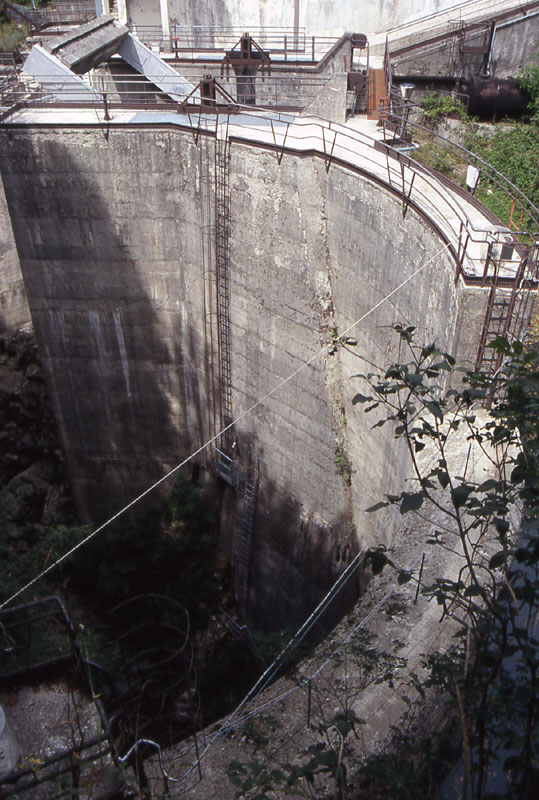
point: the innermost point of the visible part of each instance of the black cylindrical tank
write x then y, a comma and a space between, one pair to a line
492, 98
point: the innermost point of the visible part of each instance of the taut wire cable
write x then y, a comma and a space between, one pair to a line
210, 441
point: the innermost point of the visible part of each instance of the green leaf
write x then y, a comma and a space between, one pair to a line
411, 501
443, 477
377, 559
376, 506
497, 560
415, 379
435, 409
460, 495
489, 484
472, 591
404, 577
360, 398
501, 525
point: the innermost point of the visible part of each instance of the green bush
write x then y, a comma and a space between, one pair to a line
436, 107
168, 550
528, 81
12, 37
515, 154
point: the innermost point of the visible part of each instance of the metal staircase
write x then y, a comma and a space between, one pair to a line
474, 49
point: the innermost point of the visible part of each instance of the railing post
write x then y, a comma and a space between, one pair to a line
106, 107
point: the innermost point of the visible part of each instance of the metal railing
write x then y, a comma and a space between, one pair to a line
37, 643
61, 772
284, 92
212, 37
335, 142
487, 253
26, 645
186, 42
66, 11
514, 210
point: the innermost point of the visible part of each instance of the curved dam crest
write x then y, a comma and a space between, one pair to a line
115, 232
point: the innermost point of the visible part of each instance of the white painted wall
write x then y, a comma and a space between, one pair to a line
331, 17
143, 12
56, 78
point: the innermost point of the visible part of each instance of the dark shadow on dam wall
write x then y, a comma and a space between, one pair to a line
123, 372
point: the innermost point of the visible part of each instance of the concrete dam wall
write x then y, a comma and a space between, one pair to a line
115, 234
14, 311
315, 15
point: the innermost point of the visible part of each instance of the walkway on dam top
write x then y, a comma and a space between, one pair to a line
463, 224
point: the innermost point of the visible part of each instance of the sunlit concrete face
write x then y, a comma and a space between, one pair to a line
330, 17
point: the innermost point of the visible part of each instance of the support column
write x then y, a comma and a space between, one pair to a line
102, 7
122, 12
165, 22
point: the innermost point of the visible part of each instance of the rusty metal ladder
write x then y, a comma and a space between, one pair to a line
507, 311
496, 323
222, 276
243, 536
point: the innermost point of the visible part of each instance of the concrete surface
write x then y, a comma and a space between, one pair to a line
89, 44
114, 233
56, 78
14, 312
51, 718
316, 16
330, 102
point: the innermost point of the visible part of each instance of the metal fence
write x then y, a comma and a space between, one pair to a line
66, 11
186, 42
501, 255
128, 90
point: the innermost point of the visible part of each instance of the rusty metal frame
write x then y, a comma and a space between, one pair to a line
230, 60
328, 156
461, 249
406, 195
210, 104
280, 152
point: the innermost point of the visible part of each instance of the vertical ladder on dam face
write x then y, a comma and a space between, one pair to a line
508, 310
243, 536
207, 244
222, 277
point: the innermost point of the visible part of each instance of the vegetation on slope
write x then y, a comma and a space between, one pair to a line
488, 678
512, 148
